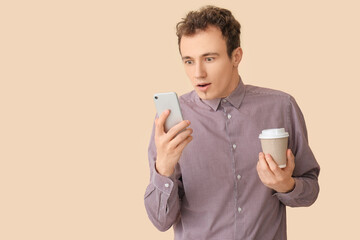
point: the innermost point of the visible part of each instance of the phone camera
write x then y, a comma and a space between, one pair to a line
156, 97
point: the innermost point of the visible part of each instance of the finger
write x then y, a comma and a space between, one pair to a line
180, 137
184, 143
272, 164
160, 121
263, 166
259, 170
262, 160
290, 159
265, 174
177, 128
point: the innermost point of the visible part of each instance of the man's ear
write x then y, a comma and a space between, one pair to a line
237, 56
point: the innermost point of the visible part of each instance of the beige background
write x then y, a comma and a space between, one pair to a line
76, 110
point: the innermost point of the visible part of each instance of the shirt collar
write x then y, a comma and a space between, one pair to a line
235, 98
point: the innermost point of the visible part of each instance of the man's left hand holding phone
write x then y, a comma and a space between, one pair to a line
172, 134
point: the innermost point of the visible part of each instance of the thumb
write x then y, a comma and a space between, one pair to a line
160, 129
290, 158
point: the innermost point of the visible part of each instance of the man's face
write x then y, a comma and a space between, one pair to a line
212, 73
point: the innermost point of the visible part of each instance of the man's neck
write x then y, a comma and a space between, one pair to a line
234, 83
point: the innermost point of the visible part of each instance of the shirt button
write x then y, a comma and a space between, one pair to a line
234, 146
229, 116
167, 185
224, 100
238, 176
239, 209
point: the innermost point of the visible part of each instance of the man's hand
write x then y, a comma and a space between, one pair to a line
170, 145
279, 179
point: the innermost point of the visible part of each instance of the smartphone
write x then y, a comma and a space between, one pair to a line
169, 100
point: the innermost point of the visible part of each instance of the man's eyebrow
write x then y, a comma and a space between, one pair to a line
185, 57
210, 53
203, 55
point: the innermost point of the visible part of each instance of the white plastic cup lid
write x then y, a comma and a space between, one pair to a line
273, 133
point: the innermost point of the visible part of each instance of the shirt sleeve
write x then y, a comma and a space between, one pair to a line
161, 198
307, 169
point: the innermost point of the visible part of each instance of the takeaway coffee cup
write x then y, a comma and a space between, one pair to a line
274, 142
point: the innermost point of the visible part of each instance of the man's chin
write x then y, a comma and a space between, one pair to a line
205, 95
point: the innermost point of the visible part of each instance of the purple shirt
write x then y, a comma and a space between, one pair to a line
215, 191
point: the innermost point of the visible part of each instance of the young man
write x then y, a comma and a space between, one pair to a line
212, 181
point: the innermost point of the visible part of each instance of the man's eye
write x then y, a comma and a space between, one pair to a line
188, 62
209, 59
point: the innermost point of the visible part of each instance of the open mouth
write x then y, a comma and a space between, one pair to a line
203, 85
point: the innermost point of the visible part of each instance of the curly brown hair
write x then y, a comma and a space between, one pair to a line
211, 15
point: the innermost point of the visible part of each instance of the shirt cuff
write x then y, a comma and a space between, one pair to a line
294, 194
164, 184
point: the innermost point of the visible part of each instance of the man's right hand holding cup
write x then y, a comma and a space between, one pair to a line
170, 145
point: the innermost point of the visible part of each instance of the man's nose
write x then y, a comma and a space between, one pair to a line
200, 71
